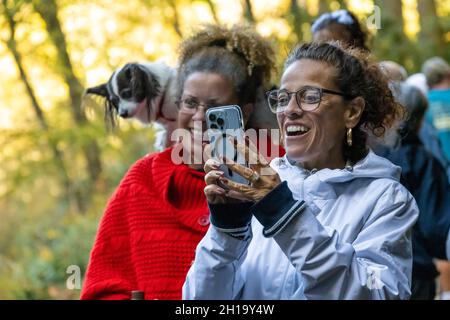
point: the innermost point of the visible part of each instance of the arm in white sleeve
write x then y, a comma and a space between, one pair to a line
376, 265
216, 271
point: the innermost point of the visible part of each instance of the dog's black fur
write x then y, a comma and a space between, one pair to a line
136, 90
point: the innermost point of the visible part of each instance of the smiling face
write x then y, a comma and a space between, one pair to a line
207, 89
314, 138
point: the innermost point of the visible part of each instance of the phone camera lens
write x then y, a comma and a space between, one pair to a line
212, 117
214, 126
220, 122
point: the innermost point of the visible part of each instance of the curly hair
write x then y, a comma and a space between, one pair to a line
358, 75
239, 53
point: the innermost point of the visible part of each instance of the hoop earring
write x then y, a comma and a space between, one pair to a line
349, 137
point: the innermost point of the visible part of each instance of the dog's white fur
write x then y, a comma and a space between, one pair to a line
163, 110
166, 78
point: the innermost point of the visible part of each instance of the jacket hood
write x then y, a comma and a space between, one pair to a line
372, 166
323, 185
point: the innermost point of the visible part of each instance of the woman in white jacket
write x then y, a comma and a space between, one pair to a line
330, 220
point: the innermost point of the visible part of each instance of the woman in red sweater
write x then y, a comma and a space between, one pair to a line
158, 214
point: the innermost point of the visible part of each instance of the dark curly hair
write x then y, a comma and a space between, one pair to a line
358, 76
238, 53
348, 20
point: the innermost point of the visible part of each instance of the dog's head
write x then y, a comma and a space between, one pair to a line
129, 93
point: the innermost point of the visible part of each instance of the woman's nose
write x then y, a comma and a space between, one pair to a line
293, 109
199, 114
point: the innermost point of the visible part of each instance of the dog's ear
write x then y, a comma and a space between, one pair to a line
100, 90
143, 83
152, 86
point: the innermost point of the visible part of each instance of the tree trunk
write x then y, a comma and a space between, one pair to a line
48, 10
391, 32
296, 20
212, 7
176, 18
343, 5
53, 143
431, 34
248, 11
391, 10
324, 6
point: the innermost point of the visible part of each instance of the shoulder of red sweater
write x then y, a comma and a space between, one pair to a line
142, 171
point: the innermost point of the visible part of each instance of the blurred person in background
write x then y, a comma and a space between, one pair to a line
437, 73
426, 179
394, 71
419, 81
428, 135
341, 25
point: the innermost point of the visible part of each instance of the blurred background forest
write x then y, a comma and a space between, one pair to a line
59, 164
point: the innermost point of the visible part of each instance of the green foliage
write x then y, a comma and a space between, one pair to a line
42, 229
41, 233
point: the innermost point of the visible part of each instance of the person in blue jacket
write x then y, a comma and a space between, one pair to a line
329, 220
437, 73
426, 179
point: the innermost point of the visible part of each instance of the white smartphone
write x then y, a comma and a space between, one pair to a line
223, 123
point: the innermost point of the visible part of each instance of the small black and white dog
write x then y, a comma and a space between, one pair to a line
143, 91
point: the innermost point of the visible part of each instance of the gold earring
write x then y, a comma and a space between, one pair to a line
349, 137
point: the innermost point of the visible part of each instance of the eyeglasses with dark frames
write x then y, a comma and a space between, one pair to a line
191, 105
308, 98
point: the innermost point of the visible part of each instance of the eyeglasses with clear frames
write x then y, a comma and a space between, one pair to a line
308, 98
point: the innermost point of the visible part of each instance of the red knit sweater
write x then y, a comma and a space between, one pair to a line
149, 232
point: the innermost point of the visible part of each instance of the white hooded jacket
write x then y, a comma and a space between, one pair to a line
345, 235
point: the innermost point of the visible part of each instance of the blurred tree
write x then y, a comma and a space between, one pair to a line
9, 10
342, 4
173, 19
431, 35
248, 11
296, 19
390, 41
392, 10
212, 7
176, 18
48, 10
324, 6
